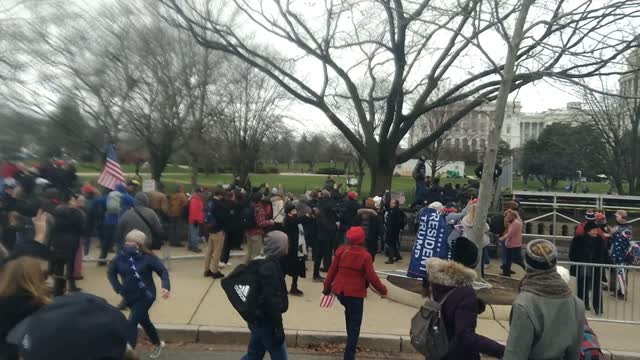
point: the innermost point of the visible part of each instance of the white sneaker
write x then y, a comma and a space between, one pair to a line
229, 263
88, 258
222, 265
157, 350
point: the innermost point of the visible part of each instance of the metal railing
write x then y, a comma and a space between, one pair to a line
611, 293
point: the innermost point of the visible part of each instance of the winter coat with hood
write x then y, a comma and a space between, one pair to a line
69, 226
196, 210
126, 202
352, 272
349, 211
136, 284
395, 220
460, 310
274, 300
372, 225
13, 310
132, 220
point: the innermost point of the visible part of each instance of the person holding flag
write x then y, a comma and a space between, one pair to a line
113, 204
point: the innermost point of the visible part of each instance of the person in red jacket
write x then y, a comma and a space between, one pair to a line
590, 217
350, 275
196, 218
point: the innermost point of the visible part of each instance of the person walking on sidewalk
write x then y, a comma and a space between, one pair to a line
512, 242
350, 275
547, 321
196, 219
267, 332
255, 234
131, 275
450, 283
215, 220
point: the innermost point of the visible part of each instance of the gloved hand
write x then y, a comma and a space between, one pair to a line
278, 337
326, 292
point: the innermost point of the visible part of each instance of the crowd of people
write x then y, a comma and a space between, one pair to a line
343, 235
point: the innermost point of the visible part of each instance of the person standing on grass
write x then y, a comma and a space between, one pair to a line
215, 220
512, 242
350, 275
131, 275
395, 221
196, 219
267, 332
177, 205
547, 321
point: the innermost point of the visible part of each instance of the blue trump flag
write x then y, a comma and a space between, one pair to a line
431, 241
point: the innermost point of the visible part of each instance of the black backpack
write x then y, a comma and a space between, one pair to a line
243, 289
248, 217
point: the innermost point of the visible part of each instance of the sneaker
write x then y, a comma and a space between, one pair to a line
318, 279
102, 262
122, 305
195, 250
296, 292
389, 262
87, 258
157, 350
399, 258
222, 265
217, 275
208, 273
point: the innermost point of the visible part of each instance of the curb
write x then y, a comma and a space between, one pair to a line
220, 335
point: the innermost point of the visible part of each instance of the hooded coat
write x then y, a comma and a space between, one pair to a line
131, 275
126, 202
274, 301
69, 226
352, 272
460, 311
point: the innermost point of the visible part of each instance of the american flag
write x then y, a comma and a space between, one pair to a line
622, 281
327, 301
112, 173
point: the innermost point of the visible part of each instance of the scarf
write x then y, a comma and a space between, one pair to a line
546, 283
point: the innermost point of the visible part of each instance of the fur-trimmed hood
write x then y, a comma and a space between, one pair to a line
367, 211
449, 273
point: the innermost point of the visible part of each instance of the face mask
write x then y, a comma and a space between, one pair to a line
130, 249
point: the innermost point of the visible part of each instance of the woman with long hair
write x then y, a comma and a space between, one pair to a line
547, 320
23, 291
134, 266
512, 242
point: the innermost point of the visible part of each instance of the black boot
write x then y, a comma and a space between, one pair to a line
73, 287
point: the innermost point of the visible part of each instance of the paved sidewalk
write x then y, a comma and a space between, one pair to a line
198, 302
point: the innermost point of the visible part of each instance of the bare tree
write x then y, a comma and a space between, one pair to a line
249, 116
415, 45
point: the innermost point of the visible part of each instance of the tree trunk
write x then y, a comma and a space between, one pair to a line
194, 172
381, 174
486, 183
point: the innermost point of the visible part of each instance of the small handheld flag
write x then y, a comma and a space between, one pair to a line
327, 301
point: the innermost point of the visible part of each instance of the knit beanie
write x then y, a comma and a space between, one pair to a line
590, 225
590, 215
275, 243
537, 262
436, 205
136, 236
465, 252
352, 195
356, 235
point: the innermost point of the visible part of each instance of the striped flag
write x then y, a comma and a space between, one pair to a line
327, 301
112, 174
622, 281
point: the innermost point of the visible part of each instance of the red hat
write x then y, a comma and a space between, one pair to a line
600, 216
356, 235
352, 195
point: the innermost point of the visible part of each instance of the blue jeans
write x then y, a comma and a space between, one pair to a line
262, 338
194, 236
511, 255
140, 315
353, 310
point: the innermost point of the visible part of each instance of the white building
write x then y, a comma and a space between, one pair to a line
471, 133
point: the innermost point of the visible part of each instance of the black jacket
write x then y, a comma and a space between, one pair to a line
587, 249
273, 301
349, 211
65, 236
13, 310
370, 221
396, 220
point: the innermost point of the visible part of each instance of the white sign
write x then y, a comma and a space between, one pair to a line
148, 186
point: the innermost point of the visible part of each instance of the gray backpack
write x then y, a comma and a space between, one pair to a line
428, 332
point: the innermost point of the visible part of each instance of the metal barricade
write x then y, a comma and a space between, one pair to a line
611, 293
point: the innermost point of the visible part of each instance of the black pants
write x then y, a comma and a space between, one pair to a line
62, 271
353, 310
140, 315
392, 240
106, 239
231, 239
321, 254
588, 279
